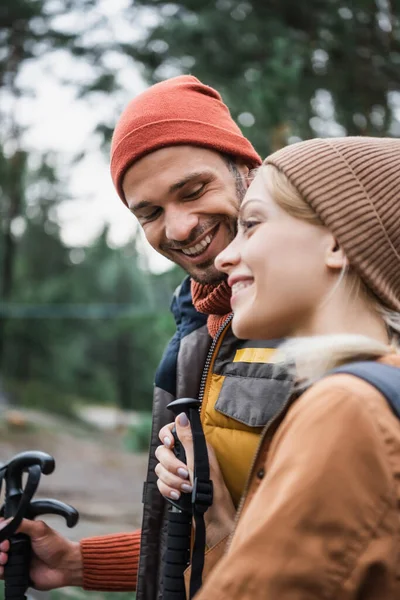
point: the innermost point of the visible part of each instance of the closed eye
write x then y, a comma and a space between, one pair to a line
248, 224
195, 193
150, 216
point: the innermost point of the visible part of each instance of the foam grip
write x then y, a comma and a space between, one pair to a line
16, 571
177, 555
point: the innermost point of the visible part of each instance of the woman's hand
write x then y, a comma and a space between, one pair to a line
173, 475
175, 478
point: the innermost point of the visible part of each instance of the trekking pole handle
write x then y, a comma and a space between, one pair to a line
16, 571
202, 493
18, 505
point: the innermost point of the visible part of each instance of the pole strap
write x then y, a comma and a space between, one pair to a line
202, 498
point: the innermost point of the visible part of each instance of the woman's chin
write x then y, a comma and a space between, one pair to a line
243, 328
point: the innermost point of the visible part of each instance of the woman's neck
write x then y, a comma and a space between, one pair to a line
341, 315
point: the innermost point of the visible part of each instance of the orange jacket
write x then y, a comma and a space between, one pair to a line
320, 517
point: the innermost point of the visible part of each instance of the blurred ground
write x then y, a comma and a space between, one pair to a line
93, 471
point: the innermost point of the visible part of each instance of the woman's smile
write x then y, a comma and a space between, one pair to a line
238, 284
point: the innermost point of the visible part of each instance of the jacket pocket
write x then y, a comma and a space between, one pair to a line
253, 400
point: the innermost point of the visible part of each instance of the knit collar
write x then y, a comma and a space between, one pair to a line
214, 301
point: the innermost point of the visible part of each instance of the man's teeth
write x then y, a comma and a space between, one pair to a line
198, 248
240, 285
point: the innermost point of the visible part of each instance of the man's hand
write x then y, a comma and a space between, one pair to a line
56, 561
174, 477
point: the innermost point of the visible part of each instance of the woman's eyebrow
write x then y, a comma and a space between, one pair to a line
252, 200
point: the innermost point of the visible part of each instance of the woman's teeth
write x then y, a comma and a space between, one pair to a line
198, 248
240, 285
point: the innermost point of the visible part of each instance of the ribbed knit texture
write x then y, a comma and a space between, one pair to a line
353, 184
213, 301
110, 562
180, 110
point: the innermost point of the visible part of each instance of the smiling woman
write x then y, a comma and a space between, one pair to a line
275, 267
290, 274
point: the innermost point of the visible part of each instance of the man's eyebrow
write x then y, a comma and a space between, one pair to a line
187, 179
136, 207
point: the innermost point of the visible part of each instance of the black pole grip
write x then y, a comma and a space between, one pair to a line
18, 504
179, 527
177, 555
16, 571
202, 495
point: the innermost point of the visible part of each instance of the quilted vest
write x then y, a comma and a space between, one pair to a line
240, 392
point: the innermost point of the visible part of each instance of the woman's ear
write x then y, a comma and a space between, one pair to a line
335, 257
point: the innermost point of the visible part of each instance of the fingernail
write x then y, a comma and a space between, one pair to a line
167, 442
183, 420
174, 495
183, 473
4, 523
185, 487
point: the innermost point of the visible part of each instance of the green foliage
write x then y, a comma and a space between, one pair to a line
79, 594
39, 395
95, 330
285, 68
137, 438
31, 28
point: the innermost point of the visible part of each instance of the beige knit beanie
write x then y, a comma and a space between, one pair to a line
353, 184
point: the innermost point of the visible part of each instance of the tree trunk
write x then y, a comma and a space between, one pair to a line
14, 191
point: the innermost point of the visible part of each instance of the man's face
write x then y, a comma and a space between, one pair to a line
187, 200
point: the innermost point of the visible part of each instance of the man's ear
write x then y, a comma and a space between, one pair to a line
335, 257
243, 170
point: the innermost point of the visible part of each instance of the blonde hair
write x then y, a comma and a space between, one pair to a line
309, 358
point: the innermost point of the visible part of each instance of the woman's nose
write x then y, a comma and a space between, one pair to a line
228, 258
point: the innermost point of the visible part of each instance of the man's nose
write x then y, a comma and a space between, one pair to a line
179, 224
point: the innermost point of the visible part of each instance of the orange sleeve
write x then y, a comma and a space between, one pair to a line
110, 562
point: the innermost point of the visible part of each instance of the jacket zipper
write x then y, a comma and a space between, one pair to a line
209, 358
202, 388
253, 463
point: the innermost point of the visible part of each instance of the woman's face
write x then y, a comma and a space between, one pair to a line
277, 268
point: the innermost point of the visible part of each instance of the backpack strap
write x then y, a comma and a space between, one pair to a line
385, 378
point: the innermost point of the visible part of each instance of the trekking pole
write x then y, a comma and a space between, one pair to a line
17, 506
179, 530
181, 512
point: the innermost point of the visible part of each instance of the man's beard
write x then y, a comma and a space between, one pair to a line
206, 273
210, 275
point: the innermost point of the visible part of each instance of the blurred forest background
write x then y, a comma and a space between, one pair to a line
87, 323
84, 305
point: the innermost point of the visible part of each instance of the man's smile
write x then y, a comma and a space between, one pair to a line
202, 249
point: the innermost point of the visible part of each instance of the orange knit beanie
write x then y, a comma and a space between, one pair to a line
181, 110
353, 184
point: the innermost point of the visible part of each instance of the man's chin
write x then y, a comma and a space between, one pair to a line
206, 275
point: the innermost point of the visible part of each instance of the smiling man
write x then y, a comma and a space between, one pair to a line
180, 164
187, 199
